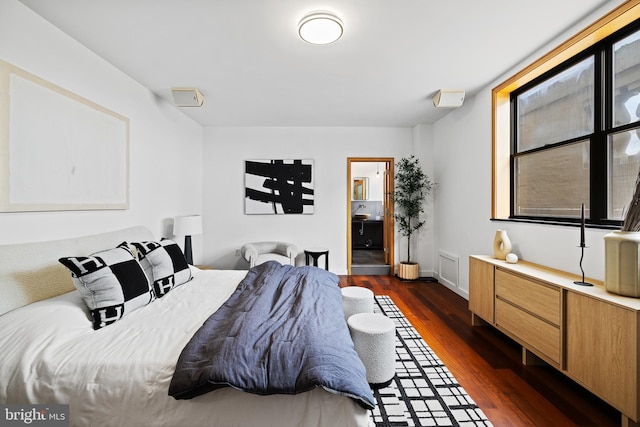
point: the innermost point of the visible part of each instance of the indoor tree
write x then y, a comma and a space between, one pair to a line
412, 186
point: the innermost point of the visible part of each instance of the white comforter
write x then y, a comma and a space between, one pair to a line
119, 375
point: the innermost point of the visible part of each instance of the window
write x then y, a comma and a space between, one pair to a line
564, 56
575, 135
624, 141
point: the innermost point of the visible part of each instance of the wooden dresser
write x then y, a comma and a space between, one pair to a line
587, 333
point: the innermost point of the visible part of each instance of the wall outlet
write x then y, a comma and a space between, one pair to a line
237, 252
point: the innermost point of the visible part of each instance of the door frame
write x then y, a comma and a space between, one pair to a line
387, 215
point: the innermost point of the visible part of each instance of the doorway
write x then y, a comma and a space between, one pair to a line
370, 236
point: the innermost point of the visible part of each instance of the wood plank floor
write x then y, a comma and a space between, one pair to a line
487, 363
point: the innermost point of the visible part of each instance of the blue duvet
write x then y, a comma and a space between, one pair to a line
281, 332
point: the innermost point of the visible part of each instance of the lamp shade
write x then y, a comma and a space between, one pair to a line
187, 225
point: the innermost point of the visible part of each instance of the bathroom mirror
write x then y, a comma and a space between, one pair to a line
360, 188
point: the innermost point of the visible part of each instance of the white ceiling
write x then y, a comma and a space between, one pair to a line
247, 60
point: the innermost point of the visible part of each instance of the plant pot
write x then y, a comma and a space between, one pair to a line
409, 270
622, 258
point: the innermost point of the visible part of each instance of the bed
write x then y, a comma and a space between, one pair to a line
120, 374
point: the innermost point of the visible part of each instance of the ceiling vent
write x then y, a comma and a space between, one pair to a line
187, 97
448, 98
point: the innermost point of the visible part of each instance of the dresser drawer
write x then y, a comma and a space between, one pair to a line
540, 300
533, 332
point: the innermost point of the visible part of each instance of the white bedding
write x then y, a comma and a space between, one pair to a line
119, 375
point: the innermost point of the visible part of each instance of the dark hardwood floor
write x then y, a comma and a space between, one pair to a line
487, 363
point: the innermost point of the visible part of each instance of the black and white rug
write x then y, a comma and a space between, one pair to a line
423, 392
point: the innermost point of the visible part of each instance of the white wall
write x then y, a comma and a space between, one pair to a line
424, 243
462, 161
165, 146
224, 153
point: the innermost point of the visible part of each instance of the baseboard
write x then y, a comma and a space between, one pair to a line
464, 294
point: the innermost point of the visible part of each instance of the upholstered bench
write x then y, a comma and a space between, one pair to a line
374, 338
356, 299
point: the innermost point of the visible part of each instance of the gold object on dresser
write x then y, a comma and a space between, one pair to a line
587, 333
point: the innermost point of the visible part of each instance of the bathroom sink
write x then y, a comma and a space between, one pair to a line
362, 216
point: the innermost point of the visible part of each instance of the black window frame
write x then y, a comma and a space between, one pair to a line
602, 52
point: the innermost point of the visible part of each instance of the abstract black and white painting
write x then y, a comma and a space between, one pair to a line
278, 187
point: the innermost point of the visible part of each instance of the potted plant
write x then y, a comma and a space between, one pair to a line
412, 186
622, 254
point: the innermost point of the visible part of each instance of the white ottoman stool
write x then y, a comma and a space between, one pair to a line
374, 338
356, 299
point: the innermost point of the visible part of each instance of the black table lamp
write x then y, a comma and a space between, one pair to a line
187, 226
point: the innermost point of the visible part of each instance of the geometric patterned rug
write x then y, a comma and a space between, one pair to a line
423, 392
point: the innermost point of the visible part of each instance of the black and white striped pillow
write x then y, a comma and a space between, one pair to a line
164, 263
112, 284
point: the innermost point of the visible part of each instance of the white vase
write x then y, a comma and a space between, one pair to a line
621, 263
501, 245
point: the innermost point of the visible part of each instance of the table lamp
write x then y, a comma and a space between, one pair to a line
187, 226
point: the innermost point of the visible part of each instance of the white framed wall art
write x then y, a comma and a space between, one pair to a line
58, 151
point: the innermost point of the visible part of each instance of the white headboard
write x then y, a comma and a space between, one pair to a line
30, 272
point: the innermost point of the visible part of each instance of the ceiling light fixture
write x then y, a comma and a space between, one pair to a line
320, 27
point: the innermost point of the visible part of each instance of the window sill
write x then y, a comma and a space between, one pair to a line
558, 223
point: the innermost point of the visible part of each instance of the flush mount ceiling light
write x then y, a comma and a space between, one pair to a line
320, 27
